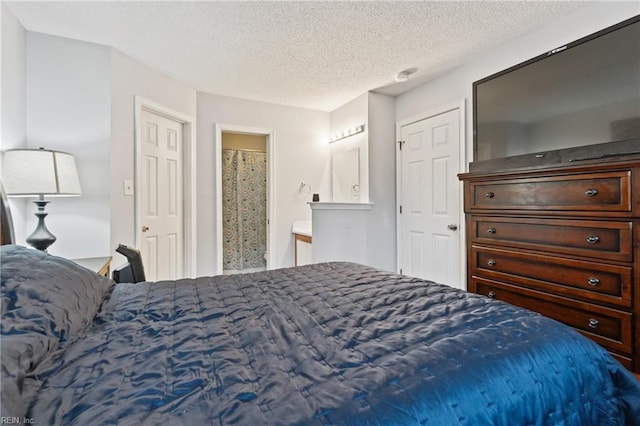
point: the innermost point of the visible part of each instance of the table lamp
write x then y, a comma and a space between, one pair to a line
36, 173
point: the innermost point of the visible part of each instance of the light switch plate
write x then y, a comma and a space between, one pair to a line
127, 188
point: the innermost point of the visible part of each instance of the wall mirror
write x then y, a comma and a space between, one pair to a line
345, 167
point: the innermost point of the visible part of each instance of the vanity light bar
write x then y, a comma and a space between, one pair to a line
347, 133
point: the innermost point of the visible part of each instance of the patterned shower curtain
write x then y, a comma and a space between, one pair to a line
244, 200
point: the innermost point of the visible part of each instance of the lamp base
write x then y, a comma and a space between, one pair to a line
41, 238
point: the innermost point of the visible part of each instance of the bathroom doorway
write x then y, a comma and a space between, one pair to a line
244, 202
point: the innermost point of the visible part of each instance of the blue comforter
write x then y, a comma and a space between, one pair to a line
334, 343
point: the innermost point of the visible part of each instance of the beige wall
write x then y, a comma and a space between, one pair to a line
242, 141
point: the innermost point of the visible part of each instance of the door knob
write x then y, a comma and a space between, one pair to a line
145, 228
453, 226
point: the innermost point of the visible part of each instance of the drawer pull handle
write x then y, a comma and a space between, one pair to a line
593, 239
489, 194
591, 192
491, 262
491, 231
593, 281
491, 295
594, 323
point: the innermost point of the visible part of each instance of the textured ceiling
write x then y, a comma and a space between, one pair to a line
308, 54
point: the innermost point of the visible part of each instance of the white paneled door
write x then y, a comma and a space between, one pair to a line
430, 199
161, 186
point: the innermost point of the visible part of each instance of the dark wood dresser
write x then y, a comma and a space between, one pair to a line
563, 241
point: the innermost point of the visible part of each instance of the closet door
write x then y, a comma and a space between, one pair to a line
161, 186
430, 199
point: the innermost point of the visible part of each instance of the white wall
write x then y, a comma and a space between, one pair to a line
128, 79
68, 96
13, 102
381, 220
363, 236
340, 234
301, 154
80, 99
457, 84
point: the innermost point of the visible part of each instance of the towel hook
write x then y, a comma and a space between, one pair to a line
305, 188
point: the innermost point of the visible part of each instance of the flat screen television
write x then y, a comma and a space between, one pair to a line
579, 101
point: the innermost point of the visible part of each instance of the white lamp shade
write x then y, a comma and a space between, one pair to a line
32, 172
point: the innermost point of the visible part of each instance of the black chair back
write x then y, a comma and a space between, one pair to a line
133, 271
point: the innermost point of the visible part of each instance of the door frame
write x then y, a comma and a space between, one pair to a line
189, 205
271, 161
460, 106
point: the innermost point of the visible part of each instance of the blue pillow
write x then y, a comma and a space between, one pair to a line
46, 303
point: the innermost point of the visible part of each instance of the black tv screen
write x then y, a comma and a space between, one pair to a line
586, 93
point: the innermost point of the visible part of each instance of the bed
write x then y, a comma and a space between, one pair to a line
327, 344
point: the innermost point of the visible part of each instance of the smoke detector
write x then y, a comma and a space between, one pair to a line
404, 75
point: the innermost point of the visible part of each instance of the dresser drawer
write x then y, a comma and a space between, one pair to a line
609, 191
604, 240
610, 328
590, 281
